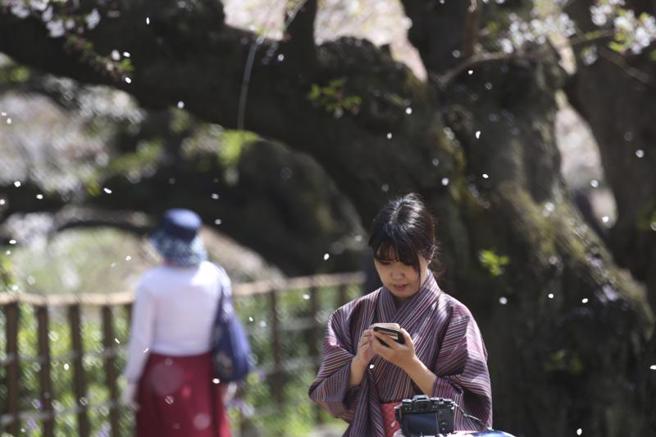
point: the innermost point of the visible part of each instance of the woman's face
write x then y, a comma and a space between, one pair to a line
402, 280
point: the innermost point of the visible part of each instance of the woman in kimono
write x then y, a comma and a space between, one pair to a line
360, 379
169, 367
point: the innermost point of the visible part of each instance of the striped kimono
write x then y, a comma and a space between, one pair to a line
446, 338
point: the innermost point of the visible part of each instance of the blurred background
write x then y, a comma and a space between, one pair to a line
527, 127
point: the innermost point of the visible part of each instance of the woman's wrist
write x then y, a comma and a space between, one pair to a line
414, 367
358, 363
357, 371
421, 375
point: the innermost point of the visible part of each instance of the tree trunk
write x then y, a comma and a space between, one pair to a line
621, 118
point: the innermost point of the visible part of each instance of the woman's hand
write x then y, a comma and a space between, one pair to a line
401, 355
363, 355
365, 352
129, 395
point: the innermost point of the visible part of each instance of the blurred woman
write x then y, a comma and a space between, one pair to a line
169, 368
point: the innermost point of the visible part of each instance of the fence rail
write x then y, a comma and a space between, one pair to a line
71, 305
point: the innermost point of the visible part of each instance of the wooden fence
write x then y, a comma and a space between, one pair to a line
12, 418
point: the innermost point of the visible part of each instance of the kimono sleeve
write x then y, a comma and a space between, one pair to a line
462, 372
331, 388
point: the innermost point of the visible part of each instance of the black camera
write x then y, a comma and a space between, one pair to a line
424, 416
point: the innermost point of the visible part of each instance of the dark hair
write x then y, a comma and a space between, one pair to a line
406, 228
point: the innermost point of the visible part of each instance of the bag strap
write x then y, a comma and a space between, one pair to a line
219, 309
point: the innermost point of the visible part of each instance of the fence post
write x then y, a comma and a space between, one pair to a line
341, 295
45, 380
315, 339
277, 383
110, 368
79, 383
13, 365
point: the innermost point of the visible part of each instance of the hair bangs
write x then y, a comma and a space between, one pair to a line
388, 245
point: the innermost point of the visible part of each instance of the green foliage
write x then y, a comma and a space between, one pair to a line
6, 277
14, 74
493, 263
87, 54
181, 121
565, 361
334, 99
647, 218
146, 154
232, 145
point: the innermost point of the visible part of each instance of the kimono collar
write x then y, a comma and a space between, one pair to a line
387, 311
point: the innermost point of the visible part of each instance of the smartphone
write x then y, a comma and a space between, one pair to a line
392, 333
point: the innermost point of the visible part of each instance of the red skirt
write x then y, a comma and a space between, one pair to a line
177, 398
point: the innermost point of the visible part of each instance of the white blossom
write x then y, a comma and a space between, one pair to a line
19, 9
39, 5
56, 28
92, 19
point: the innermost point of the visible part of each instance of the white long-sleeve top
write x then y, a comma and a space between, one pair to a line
173, 313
